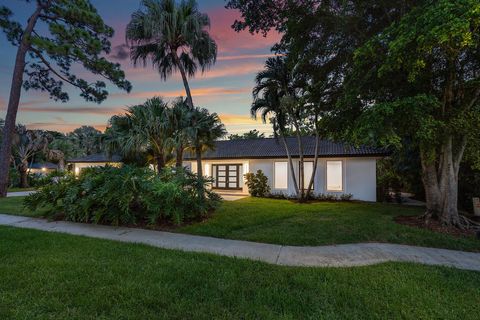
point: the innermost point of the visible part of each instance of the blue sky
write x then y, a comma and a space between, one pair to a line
225, 88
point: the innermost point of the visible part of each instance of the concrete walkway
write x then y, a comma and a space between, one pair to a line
20, 193
324, 256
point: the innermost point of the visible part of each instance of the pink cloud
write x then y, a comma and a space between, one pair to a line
230, 41
62, 127
196, 92
66, 109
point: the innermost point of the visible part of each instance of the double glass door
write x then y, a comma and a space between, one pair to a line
227, 176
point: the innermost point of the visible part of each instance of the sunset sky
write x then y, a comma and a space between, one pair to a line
226, 88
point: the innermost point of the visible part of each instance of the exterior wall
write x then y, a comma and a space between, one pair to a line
359, 175
44, 171
78, 166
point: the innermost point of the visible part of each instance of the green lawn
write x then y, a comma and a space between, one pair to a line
14, 205
289, 223
57, 276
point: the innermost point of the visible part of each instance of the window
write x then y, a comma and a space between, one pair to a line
307, 174
281, 175
334, 176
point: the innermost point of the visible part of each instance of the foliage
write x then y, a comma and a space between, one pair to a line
172, 36
257, 184
143, 128
122, 196
86, 141
252, 134
67, 33
53, 177
27, 144
315, 196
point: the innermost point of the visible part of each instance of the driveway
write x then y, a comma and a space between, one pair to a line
232, 197
20, 193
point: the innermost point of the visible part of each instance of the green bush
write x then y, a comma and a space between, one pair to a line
126, 195
39, 180
257, 184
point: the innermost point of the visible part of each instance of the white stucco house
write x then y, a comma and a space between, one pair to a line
93, 160
341, 169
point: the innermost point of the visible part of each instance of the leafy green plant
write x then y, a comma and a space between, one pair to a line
257, 184
126, 195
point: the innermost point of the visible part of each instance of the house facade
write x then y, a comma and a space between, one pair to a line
93, 160
341, 169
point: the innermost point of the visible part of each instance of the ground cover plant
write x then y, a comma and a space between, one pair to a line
125, 196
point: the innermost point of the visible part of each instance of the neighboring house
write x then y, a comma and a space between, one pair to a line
42, 167
341, 169
94, 160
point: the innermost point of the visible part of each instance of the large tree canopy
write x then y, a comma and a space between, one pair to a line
58, 36
65, 33
387, 72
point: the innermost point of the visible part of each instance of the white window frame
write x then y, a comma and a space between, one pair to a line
343, 175
274, 175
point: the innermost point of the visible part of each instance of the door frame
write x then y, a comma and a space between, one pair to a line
227, 176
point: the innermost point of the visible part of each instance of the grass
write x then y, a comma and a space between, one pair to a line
57, 276
321, 223
289, 223
14, 206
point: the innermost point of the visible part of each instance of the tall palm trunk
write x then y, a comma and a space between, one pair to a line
179, 157
301, 167
184, 79
290, 162
315, 163
200, 189
160, 162
23, 171
14, 100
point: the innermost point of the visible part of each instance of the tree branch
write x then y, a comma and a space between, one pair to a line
49, 66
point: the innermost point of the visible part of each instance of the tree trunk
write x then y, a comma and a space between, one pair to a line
441, 183
23, 171
431, 185
290, 162
160, 161
13, 102
61, 164
179, 157
198, 154
184, 78
301, 170
200, 189
315, 163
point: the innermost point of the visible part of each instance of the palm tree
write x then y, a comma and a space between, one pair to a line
203, 130
273, 86
144, 127
26, 144
173, 37
179, 119
87, 139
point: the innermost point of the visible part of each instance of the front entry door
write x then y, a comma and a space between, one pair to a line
227, 176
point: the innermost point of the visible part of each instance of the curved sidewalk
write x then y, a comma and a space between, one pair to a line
344, 255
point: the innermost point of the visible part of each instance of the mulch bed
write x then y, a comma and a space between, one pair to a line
433, 225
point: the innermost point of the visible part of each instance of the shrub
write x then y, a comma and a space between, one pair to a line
316, 197
40, 180
257, 184
126, 195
